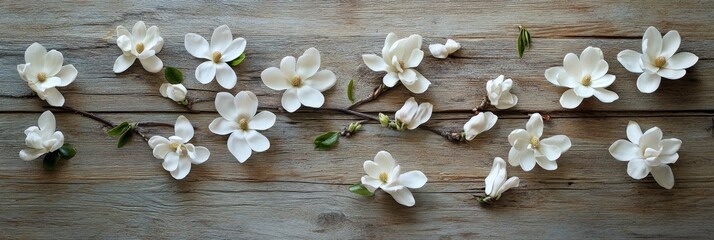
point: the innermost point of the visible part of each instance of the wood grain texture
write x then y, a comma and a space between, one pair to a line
292, 191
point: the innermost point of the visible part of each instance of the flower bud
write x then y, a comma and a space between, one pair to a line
384, 120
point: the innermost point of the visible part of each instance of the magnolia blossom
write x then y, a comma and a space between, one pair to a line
223, 49
238, 119
478, 124
43, 72
647, 152
586, 77
385, 173
412, 115
499, 93
176, 152
141, 43
399, 58
302, 83
42, 138
176, 92
657, 60
496, 182
439, 50
528, 149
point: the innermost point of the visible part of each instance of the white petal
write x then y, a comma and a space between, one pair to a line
631, 60
31, 154
625, 151
124, 43
637, 169
290, 100
287, 66
247, 104
651, 138
162, 150
171, 160
667, 158
634, 132
183, 128
479, 123
670, 146
551, 74
603, 82
310, 97
202, 155
681, 61
412, 179
653, 46
551, 152
663, 175
138, 31
197, 46
222, 126
422, 115
371, 183
648, 82
206, 72
53, 62
238, 146
262, 121
221, 38
385, 161
584, 92
605, 95
452, 45
234, 50
257, 141
534, 126
670, 44
590, 59
184, 167
122, 31
421, 84
373, 170
526, 160
408, 110
600, 70
496, 177
322, 80
518, 134
47, 123
152, 64
438, 50
225, 75
275, 79
54, 97
571, 64
123, 62
225, 106
510, 183
671, 74
546, 164
390, 79
388, 42
308, 63
411, 43
570, 100
151, 38
403, 196
156, 140
35, 54
414, 58
408, 76
51, 83
375, 62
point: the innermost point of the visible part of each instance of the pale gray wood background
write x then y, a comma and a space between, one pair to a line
292, 191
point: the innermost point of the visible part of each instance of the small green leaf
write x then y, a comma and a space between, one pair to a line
173, 75
523, 41
360, 189
238, 60
350, 91
125, 137
326, 140
50, 160
67, 151
119, 129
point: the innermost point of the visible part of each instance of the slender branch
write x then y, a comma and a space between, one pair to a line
374, 95
353, 112
161, 124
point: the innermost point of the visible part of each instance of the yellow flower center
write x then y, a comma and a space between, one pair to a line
296, 81
383, 177
139, 47
177, 146
217, 57
535, 142
243, 124
586, 81
660, 61
41, 77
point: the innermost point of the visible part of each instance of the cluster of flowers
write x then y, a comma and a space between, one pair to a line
303, 83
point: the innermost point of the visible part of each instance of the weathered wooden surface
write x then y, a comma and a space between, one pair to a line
294, 191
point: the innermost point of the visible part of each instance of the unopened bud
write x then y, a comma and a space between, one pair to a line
384, 120
353, 127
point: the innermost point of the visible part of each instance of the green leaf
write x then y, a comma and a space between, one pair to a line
119, 129
67, 151
124, 138
326, 140
523, 41
238, 60
50, 160
360, 189
350, 91
173, 75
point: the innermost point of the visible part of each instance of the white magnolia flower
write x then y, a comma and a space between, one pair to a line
176, 152
302, 83
399, 58
499, 94
412, 115
496, 182
42, 138
439, 50
238, 119
647, 152
223, 49
385, 173
43, 72
176, 92
140, 43
528, 149
657, 59
586, 77
478, 124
